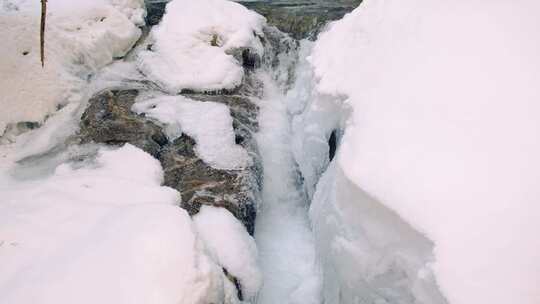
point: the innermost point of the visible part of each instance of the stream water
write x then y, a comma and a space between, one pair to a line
283, 233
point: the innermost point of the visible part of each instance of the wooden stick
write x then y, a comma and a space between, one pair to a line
42, 31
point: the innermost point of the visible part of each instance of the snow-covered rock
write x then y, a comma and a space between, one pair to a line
440, 101
231, 246
212, 161
214, 135
194, 42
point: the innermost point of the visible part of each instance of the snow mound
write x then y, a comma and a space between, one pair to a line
208, 123
106, 232
445, 132
81, 37
192, 43
231, 246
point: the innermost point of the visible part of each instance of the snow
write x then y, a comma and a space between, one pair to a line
444, 131
193, 42
231, 246
368, 253
432, 197
314, 119
90, 224
214, 137
282, 230
81, 37
101, 232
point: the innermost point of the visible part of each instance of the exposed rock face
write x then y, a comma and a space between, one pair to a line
109, 119
155, 9
299, 18
236, 190
302, 19
200, 184
246, 57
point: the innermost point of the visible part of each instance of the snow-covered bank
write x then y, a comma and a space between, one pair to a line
102, 232
81, 38
99, 227
443, 130
367, 253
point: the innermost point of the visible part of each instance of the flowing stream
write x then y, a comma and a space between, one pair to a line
283, 234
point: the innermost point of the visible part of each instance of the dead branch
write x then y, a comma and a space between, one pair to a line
42, 31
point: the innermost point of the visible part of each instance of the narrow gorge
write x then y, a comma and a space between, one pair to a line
269, 152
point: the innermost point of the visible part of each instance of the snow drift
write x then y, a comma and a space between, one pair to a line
101, 232
81, 37
105, 230
443, 130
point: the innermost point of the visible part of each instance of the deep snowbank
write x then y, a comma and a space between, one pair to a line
105, 232
367, 253
444, 131
81, 37
193, 45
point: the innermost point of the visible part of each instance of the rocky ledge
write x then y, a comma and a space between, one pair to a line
109, 120
299, 18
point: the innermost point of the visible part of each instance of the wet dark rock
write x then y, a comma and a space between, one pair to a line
200, 184
248, 58
236, 190
109, 119
236, 283
15, 129
332, 145
302, 19
299, 18
24, 126
154, 11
